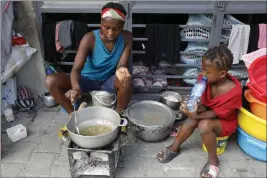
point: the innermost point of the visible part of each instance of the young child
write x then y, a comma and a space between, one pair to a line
216, 114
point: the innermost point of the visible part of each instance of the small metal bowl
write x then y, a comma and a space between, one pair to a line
171, 104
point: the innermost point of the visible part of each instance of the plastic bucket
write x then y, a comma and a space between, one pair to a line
258, 78
221, 145
251, 57
103, 98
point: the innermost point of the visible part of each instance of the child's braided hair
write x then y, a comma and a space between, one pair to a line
221, 56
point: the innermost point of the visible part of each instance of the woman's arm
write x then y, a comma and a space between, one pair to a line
124, 60
79, 61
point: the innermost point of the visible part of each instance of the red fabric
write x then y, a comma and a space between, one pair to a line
228, 127
118, 12
225, 106
199, 77
59, 48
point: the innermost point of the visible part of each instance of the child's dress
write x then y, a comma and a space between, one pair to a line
225, 106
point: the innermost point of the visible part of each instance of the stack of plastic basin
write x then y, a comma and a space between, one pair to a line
251, 135
258, 78
257, 107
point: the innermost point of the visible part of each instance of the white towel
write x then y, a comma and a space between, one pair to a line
238, 41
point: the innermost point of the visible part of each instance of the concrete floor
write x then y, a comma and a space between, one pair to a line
43, 154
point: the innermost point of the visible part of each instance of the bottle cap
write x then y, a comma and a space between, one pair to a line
204, 78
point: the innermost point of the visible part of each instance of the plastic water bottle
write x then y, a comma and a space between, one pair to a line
7, 110
196, 93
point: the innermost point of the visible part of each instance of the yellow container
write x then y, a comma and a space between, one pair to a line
221, 145
251, 124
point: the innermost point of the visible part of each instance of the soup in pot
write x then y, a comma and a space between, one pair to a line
95, 130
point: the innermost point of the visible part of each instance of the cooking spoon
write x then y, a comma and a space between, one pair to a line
76, 127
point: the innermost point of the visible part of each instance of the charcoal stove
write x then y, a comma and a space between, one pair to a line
98, 162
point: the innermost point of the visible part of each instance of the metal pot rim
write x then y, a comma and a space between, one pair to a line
125, 114
175, 93
96, 136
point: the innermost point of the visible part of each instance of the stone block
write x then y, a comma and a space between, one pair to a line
60, 171
44, 118
237, 169
20, 152
126, 172
40, 165
150, 167
11, 169
35, 134
129, 156
62, 159
50, 144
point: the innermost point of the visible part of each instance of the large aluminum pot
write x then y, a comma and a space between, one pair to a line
150, 120
96, 115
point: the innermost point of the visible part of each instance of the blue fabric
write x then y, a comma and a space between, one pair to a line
87, 84
102, 64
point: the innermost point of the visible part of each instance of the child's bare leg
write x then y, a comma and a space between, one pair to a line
186, 131
208, 129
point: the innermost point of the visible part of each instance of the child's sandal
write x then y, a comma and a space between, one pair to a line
167, 155
212, 170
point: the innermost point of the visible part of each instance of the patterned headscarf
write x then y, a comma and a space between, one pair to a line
113, 13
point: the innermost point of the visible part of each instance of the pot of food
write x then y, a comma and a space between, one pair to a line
98, 127
150, 120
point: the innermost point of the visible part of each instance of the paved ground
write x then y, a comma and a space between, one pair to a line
42, 154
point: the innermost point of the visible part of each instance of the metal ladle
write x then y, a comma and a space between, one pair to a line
76, 127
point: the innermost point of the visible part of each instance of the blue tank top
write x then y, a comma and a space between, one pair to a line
102, 64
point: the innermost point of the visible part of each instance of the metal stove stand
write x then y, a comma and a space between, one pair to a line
94, 163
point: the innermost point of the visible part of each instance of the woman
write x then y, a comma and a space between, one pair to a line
101, 63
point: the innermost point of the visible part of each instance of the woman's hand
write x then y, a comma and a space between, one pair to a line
190, 114
73, 95
123, 74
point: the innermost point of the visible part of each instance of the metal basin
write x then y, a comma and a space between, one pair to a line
96, 115
150, 120
172, 104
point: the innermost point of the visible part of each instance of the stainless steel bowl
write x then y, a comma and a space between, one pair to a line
172, 104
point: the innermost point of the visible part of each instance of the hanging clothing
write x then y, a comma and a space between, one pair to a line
238, 41
163, 43
65, 33
59, 48
253, 38
101, 64
80, 29
262, 36
225, 106
48, 33
7, 19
